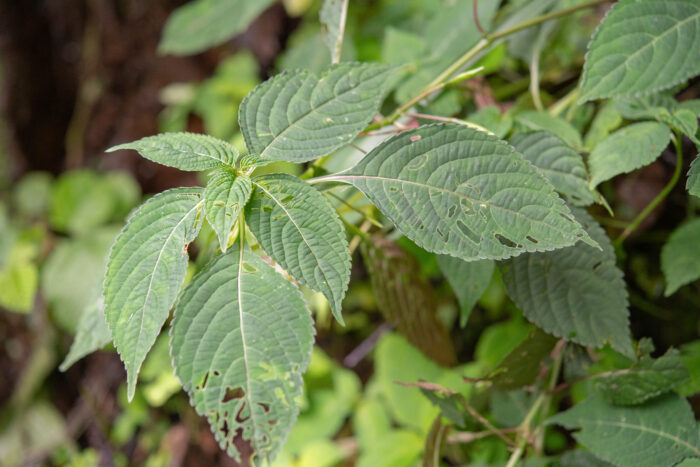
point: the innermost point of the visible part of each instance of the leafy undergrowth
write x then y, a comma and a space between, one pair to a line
439, 233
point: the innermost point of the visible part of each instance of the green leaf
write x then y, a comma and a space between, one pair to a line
401, 47
332, 16
490, 118
18, 285
680, 256
31, 194
449, 402
184, 151
241, 338
538, 121
562, 166
522, 364
607, 120
297, 117
82, 200
299, 229
690, 356
310, 53
201, 24
665, 109
468, 279
693, 182
397, 360
509, 408
684, 121
661, 432
645, 107
145, 271
628, 149
92, 334
480, 197
582, 458
225, 197
691, 104
499, 339
405, 299
73, 274
576, 293
641, 47
645, 379
448, 35
331, 394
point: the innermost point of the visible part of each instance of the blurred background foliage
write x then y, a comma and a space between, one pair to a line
79, 76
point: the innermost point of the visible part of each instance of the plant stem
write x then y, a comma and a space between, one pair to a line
558, 107
491, 38
448, 120
554, 377
661, 196
484, 421
524, 429
543, 398
535, 81
541, 19
443, 78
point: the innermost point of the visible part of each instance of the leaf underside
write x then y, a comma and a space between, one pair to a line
332, 18
225, 196
641, 47
468, 279
297, 117
241, 339
563, 167
92, 334
300, 230
201, 24
146, 270
458, 191
660, 432
184, 151
576, 293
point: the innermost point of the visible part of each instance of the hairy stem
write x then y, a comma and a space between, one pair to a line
660, 197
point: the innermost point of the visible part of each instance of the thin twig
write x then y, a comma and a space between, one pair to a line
475, 12
448, 120
355, 146
366, 346
464, 437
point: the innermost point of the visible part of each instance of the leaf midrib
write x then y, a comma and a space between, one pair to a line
155, 267
301, 233
445, 190
248, 395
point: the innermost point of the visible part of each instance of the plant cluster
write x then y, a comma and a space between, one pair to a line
521, 196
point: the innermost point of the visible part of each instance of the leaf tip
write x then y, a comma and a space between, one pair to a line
119, 147
130, 386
